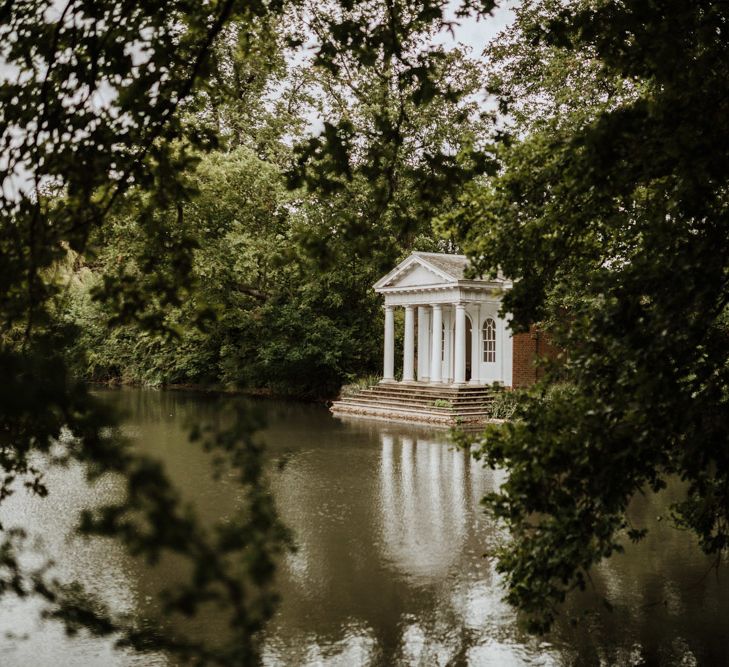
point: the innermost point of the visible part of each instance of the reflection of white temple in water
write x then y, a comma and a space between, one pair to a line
428, 493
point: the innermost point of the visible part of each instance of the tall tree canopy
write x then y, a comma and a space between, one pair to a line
610, 213
95, 101
105, 111
296, 314
607, 208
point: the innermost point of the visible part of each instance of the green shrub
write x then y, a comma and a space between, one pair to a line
504, 404
358, 384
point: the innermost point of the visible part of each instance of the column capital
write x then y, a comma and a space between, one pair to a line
437, 306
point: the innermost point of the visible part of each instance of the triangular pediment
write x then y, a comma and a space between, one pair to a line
416, 275
415, 271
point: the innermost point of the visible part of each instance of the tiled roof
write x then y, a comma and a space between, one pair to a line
453, 265
450, 269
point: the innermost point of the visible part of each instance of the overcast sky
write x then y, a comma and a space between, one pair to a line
477, 34
469, 32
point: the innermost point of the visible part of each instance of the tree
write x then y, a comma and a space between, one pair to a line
92, 106
612, 220
105, 109
541, 85
402, 123
295, 312
403, 130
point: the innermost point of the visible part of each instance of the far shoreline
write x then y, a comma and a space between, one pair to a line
211, 389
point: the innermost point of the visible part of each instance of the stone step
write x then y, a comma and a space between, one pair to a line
475, 410
415, 402
425, 400
403, 406
425, 405
425, 394
456, 400
409, 408
437, 388
390, 413
431, 395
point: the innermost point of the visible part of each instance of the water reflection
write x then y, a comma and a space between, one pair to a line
670, 605
101, 565
389, 569
422, 503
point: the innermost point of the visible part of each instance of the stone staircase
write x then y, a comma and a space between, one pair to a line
432, 404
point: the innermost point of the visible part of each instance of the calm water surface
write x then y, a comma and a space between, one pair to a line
389, 568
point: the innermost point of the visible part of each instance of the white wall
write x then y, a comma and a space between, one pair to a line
499, 370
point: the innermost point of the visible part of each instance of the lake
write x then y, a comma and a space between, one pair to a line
390, 566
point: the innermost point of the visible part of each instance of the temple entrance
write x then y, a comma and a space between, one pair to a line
469, 356
442, 323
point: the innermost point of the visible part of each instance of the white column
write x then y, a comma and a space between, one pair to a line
389, 370
435, 350
476, 346
459, 373
447, 345
408, 360
423, 340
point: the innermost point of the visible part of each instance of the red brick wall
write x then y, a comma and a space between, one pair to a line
527, 347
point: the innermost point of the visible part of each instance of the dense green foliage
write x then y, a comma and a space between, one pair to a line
118, 256
167, 216
611, 215
283, 277
274, 320
95, 107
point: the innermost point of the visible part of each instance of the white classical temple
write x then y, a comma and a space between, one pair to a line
460, 337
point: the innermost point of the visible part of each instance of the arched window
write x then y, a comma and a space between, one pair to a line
489, 340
